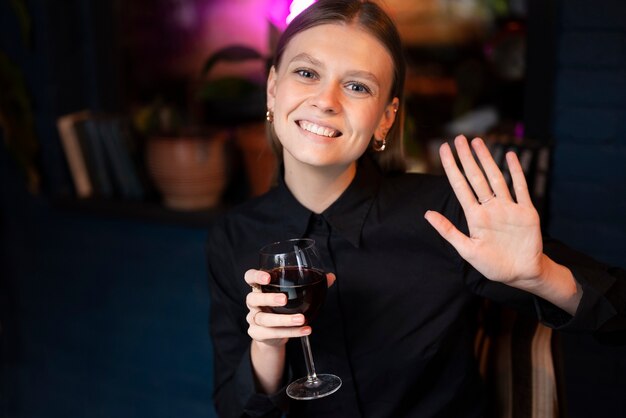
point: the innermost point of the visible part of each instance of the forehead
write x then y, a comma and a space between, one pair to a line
348, 44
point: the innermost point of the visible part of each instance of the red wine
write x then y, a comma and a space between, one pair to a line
305, 290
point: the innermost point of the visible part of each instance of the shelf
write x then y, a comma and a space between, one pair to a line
143, 211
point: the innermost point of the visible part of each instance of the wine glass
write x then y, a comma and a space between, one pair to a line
295, 270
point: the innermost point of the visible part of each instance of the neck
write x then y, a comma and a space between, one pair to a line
316, 188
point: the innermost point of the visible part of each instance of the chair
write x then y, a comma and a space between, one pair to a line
517, 355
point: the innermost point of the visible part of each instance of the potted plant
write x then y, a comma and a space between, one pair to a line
187, 165
16, 116
231, 99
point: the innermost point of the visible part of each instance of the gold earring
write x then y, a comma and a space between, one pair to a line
379, 145
269, 116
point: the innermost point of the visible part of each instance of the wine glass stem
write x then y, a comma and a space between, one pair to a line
308, 359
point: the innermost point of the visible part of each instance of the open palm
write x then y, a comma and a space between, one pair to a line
504, 242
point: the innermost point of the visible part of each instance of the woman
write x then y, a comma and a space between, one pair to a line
407, 264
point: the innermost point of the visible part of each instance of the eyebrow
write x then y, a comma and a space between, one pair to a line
308, 58
356, 73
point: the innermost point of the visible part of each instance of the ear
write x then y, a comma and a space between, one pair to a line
271, 88
387, 119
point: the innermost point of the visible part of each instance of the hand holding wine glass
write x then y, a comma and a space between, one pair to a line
296, 278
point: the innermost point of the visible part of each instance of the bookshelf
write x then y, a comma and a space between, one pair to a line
148, 211
145, 176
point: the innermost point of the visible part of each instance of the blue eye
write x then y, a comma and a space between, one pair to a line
358, 88
305, 73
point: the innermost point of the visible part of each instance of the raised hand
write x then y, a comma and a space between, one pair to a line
504, 242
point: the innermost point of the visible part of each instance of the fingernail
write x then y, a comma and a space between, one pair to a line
305, 330
298, 319
280, 299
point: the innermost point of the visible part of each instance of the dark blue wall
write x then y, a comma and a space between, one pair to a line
100, 317
588, 198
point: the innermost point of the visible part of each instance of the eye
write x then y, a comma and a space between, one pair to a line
359, 88
303, 72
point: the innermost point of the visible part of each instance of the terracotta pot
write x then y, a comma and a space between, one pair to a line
189, 172
258, 157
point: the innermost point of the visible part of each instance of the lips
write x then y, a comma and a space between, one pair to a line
319, 129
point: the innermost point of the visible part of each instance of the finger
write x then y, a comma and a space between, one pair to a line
448, 231
256, 278
266, 326
272, 320
493, 172
520, 186
472, 170
458, 182
330, 278
260, 333
258, 300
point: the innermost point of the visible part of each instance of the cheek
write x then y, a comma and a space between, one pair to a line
367, 120
284, 107
282, 125
280, 111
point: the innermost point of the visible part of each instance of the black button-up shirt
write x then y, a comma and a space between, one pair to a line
397, 326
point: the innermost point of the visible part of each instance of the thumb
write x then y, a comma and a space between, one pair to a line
446, 229
330, 277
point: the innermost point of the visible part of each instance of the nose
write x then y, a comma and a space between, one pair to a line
327, 97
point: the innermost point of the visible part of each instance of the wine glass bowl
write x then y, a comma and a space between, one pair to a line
295, 270
305, 290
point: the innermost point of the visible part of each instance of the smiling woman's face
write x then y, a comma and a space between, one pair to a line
330, 95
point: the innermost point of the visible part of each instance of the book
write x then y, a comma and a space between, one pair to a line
116, 146
93, 148
74, 154
98, 151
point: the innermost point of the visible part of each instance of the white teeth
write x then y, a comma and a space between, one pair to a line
319, 130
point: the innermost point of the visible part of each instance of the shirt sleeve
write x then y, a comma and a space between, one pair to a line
602, 309
235, 392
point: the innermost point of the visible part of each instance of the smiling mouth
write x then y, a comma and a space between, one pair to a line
318, 129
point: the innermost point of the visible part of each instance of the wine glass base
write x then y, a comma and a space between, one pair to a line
324, 385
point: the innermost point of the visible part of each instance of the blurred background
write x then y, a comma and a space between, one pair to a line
127, 126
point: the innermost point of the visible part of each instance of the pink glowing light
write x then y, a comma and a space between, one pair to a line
281, 12
277, 13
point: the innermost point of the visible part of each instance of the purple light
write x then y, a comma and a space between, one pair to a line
277, 13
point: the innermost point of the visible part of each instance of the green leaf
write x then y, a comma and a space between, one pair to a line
17, 120
227, 88
23, 17
233, 53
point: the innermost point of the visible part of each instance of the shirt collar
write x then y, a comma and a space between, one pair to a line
295, 216
347, 214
